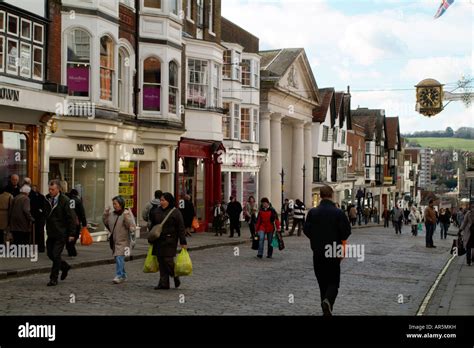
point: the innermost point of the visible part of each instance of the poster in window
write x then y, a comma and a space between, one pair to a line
78, 79
128, 184
151, 98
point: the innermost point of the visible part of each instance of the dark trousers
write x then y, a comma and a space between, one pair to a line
2, 238
469, 255
299, 223
285, 221
55, 247
328, 274
444, 230
353, 221
398, 226
20, 237
166, 265
252, 223
39, 235
385, 223
234, 226
429, 233
71, 245
414, 230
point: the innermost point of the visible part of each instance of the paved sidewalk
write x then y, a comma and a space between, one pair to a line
99, 253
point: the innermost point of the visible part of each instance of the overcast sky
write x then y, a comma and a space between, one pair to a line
372, 45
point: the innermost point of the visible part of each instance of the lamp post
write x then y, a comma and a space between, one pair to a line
282, 174
304, 184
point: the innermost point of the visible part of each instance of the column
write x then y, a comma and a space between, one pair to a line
265, 169
308, 160
113, 171
276, 162
298, 154
217, 180
45, 163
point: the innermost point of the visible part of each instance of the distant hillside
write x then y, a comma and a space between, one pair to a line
445, 143
461, 133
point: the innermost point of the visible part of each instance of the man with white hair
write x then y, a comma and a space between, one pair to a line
21, 218
13, 186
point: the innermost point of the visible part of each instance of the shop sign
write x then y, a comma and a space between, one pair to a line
85, 148
138, 151
9, 94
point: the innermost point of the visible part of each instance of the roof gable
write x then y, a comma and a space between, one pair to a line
393, 133
328, 102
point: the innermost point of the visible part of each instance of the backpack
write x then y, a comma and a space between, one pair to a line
152, 208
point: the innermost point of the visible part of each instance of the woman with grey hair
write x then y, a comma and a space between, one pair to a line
21, 219
120, 223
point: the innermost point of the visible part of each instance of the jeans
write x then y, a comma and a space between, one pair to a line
429, 233
120, 266
444, 230
297, 223
261, 243
285, 221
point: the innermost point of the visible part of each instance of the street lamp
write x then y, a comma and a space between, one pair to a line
304, 182
282, 174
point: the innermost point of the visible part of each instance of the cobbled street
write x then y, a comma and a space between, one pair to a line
394, 269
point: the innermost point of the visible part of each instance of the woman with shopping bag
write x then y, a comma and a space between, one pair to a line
167, 228
119, 222
267, 225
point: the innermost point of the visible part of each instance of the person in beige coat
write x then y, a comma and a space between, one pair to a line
467, 238
6, 201
120, 223
21, 219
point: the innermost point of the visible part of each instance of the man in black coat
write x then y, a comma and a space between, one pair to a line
188, 214
80, 220
37, 202
60, 227
234, 209
326, 227
13, 186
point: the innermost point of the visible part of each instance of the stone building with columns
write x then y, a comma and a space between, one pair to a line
288, 95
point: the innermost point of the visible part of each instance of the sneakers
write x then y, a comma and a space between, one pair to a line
64, 272
118, 280
326, 307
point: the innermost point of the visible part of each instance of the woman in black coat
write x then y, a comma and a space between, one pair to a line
165, 246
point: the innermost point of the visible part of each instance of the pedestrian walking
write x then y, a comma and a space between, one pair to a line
414, 220
155, 202
13, 186
444, 222
21, 220
6, 201
326, 227
164, 248
250, 215
267, 225
353, 215
397, 219
386, 218
60, 228
460, 216
285, 214
375, 214
120, 222
80, 220
234, 209
188, 213
37, 203
467, 231
366, 215
430, 224
406, 214
298, 217
218, 214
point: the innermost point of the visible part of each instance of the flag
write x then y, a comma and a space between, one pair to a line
443, 7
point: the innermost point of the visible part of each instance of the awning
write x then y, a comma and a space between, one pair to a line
199, 148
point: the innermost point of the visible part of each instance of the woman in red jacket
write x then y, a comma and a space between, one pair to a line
267, 224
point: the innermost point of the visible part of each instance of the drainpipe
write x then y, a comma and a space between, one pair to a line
136, 89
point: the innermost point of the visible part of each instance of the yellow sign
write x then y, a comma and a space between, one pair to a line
126, 166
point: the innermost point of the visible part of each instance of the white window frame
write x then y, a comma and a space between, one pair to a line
227, 118
2, 28
33, 63
211, 17
21, 66
200, 13
2, 51
112, 70
227, 64
207, 81
249, 122
189, 12
42, 33
21, 29
7, 26
176, 88
236, 68
122, 80
325, 130
177, 7
159, 84
255, 71
7, 69
236, 122
249, 72
66, 38
215, 85
158, 9
255, 126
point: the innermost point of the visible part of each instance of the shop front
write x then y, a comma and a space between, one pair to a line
199, 175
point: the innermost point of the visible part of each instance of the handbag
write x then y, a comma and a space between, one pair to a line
255, 242
281, 243
195, 223
155, 232
458, 246
275, 243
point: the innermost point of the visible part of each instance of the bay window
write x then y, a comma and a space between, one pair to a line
256, 74
25, 60
226, 120
325, 133
12, 56
12, 24
200, 13
2, 44
152, 84
78, 63
236, 122
173, 88
106, 67
122, 81
323, 169
245, 124
236, 71
198, 83
211, 16
152, 3
255, 126
215, 85
174, 6
246, 72
38, 35
25, 29
227, 67
2, 21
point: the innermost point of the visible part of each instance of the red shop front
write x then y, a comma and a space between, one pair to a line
199, 175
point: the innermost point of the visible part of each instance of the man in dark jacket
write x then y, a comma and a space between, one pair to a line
165, 246
13, 186
80, 220
234, 209
326, 227
21, 219
188, 214
60, 227
38, 202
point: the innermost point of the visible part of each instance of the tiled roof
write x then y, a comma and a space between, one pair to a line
414, 155
327, 97
371, 119
277, 62
393, 132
